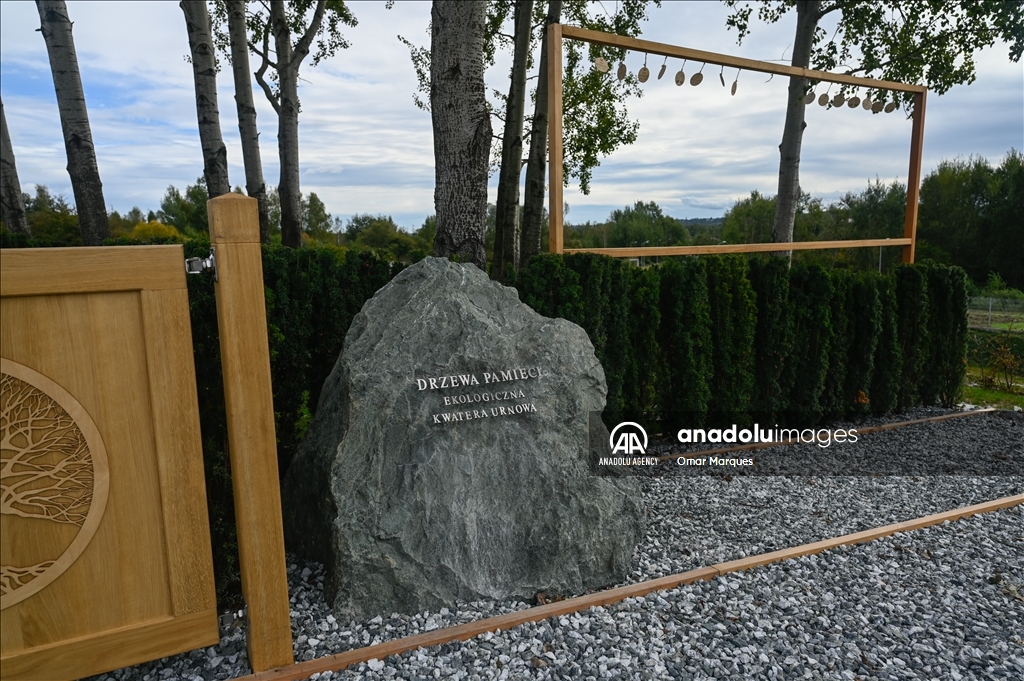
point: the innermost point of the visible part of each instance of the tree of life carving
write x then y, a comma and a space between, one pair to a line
46, 468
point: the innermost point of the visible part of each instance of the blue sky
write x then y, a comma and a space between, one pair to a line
365, 148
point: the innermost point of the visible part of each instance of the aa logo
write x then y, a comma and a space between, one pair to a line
628, 438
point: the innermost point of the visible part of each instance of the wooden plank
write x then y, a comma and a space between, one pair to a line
245, 359
914, 178
464, 632
739, 248
42, 271
172, 390
555, 174
664, 49
467, 631
109, 650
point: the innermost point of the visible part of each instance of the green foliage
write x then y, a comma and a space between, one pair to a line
644, 224
185, 212
971, 216
551, 288
912, 330
888, 360
833, 395
947, 336
154, 230
644, 368
684, 337
750, 220
51, 220
864, 310
932, 42
773, 337
733, 324
810, 299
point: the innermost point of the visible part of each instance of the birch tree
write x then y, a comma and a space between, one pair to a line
204, 74
931, 42
238, 47
462, 128
12, 203
74, 120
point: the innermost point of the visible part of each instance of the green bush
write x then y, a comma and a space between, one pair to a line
888, 358
684, 338
551, 288
640, 385
864, 309
773, 337
833, 395
912, 331
943, 382
810, 299
733, 322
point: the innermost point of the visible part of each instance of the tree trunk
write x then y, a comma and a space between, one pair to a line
287, 128
793, 132
462, 128
533, 201
74, 120
204, 73
506, 231
12, 203
254, 183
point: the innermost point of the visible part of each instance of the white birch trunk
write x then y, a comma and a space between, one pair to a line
12, 203
536, 166
506, 236
254, 183
462, 128
204, 73
74, 120
792, 135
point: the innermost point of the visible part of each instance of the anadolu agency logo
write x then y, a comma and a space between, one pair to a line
629, 441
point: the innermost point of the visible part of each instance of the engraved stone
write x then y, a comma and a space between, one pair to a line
449, 457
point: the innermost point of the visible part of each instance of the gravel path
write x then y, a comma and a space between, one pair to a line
946, 602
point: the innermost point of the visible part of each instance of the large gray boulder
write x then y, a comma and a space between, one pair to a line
449, 455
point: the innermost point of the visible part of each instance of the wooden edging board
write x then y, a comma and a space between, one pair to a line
469, 630
860, 431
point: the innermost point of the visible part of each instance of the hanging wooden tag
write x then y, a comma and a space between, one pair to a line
808, 98
867, 104
601, 64
661, 71
877, 107
696, 78
643, 74
823, 99
621, 73
680, 77
838, 100
891, 106
854, 102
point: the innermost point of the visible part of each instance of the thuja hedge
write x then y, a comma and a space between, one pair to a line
727, 337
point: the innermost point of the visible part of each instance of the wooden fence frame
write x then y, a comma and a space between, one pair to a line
557, 32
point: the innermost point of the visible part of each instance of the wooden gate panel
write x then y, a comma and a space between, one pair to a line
110, 328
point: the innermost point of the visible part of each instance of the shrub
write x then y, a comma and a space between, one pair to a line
733, 322
947, 336
865, 315
684, 338
833, 395
912, 331
773, 337
810, 297
888, 357
551, 288
643, 370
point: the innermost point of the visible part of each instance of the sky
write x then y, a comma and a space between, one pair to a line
366, 148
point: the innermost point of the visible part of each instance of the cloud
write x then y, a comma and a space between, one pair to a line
365, 148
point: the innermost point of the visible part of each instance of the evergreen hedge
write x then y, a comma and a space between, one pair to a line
773, 337
912, 331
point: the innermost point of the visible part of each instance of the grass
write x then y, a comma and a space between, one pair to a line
977, 394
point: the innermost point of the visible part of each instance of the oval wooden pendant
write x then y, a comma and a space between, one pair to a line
890, 107
733, 89
854, 102
680, 77
696, 79
601, 64
823, 99
838, 100
867, 104
661, 71
808, 98
643, 74
621, 73
877, 107
721, 77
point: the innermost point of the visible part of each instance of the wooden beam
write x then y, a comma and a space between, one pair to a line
99, 269
666, 50
464, 632
739, 248
555, 179
914, 178
252, 444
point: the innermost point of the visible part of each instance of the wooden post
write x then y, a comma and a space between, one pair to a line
554, 76
914, 177
245, 359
